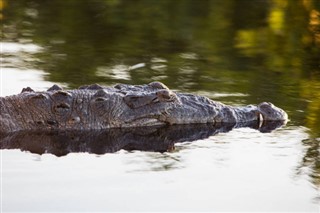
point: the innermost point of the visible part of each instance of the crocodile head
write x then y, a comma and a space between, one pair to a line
269, 112
145, 105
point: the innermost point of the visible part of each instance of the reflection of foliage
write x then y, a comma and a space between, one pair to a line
312, 159
310, 90
105, 33
2, 5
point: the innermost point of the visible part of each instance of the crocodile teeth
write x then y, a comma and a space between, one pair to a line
260, 118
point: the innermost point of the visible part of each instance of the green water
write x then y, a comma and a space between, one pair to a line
235, 51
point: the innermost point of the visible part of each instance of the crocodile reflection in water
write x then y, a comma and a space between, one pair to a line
157, 139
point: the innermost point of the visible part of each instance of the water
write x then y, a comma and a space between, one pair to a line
236, 52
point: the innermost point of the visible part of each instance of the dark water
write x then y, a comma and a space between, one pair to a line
237, 51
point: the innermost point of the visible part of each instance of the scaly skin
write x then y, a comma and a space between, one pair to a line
97, 107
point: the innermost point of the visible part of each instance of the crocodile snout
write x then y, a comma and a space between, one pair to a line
269, 112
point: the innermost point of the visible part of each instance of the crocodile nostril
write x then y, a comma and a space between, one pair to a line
165, 94
158, 85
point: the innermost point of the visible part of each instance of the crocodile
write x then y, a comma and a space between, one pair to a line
96, 107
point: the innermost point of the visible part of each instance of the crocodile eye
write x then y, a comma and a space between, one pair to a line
63, 106
38, 96
100, 99
60, 93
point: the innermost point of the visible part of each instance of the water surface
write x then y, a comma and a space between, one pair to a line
236, 52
